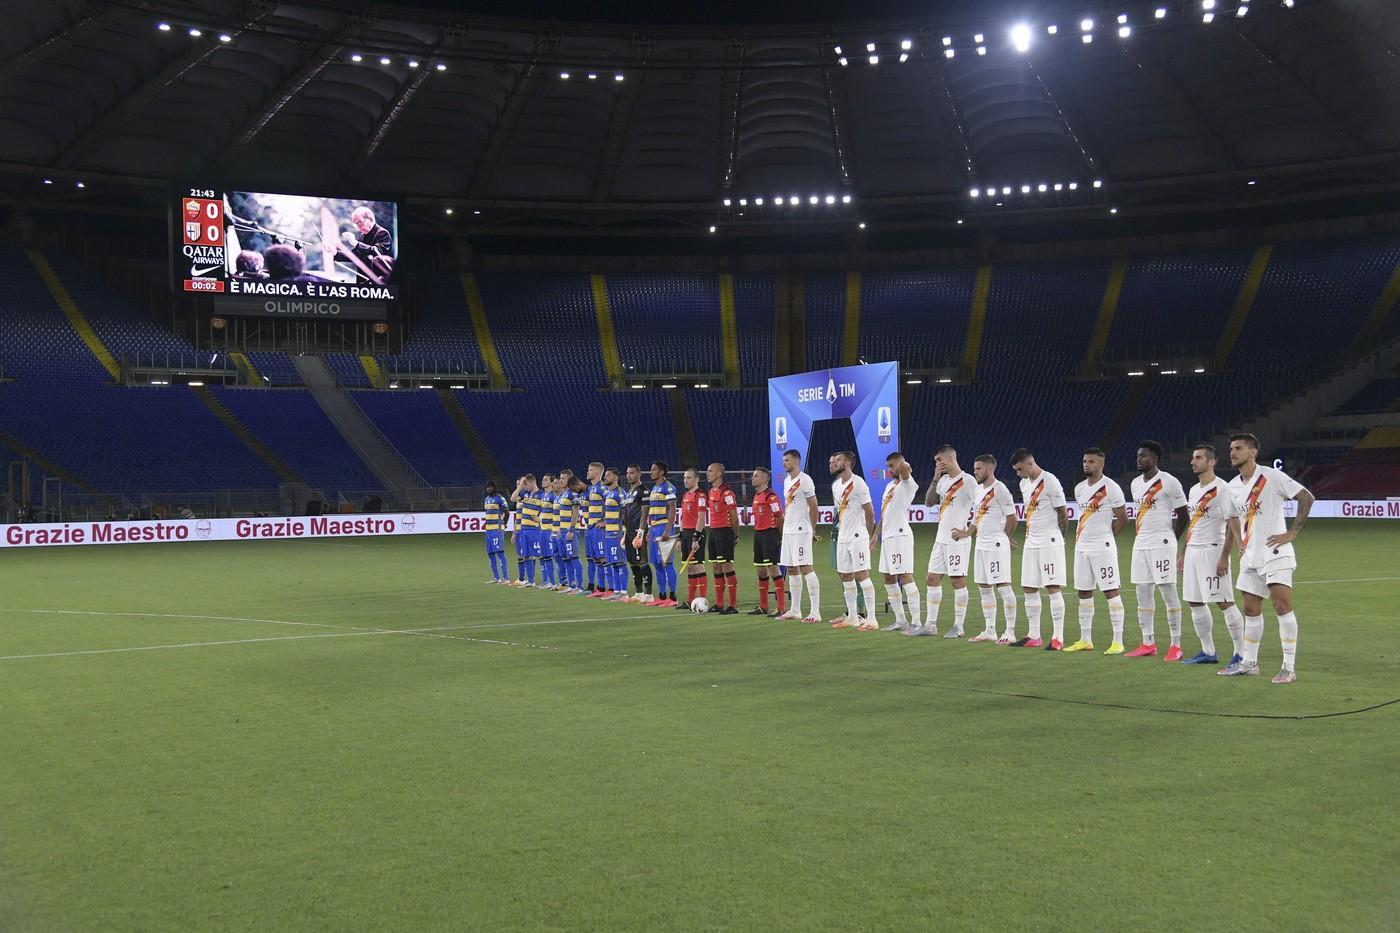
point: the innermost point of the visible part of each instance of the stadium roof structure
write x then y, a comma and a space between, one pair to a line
1163, 105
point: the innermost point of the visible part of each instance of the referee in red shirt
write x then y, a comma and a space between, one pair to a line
722, 520
692, 517
767, 541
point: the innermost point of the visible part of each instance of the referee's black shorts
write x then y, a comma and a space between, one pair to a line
690, 538
767, 547
721, 544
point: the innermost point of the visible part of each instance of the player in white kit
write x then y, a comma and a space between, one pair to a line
855, 522
1266, 553
1160, 503
955, 493
1205, 556
895, 540
1102, 514
1043, 556
799, 532
993, 519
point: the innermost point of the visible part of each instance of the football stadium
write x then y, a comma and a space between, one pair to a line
912, 464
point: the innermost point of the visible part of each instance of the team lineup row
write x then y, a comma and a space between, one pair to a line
564, 520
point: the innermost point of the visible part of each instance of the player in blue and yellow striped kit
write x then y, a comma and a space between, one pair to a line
496, 509
549, 520
527, 530
593, 537
567, 536
661, 533
614, 568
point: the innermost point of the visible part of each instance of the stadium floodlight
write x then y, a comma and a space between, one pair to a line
874, 59
413, 63
1006, 190
441, 66
794, 200
1122, 18
1042, 187
225, 38
195, 382
638, 385
913, 382
1113, 210
619, 77
870, 46
712, 230
384, 60
1059, 186
195, 32
1086, 24
727, 202
447, 211
837, 49
743, 202
1052, 29
831, 199
477, 212
975, 192
1208, 18
981, 50
1098, 182
979, 39
813, 199
861, 225
758, 202
906, 44
944, 381
163, 27
80, 185
1207, 4
1160, 12
1025, 189
563, 76
1243, 9
903, 57
48, 181
948, 53
960, 220
1167, 372
1021, 37
1087, 38
1288, 4
702, 385
668, 385
357, 57
1253, 182
1136, 372
778, 200
1201, 369
593, 76
1124, 32
1074, 186
947, 41
843, 61
845, 199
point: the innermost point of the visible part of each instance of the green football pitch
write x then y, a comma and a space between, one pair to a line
331, 735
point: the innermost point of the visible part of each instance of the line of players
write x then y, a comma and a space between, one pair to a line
1214, 518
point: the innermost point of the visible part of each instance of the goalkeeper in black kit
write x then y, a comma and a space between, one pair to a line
634, 501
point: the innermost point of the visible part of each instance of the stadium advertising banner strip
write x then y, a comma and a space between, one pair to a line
433, 523
868, 396
329, 309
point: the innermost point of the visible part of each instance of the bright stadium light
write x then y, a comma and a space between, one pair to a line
357, 57
1006, 190
975, 192
638, 385
1087, 38
979, 39
1208, 18
702, 385
1113, 210
843, 61
1052, 29
440, 66
669, 385
743, 202
960, 220
163, 27
195, 32
944, 381
1059, 186
1288, 4
413, 63
837, 49
1098, 182
727, 202
1207, 4
1124, 32
845, 199
870, 46
1160, 12
1243, 9
947, 41
384, 60
1201, 369
1167, 372
563, 75
1025, 189
861, 225
903, 57
906, 44
447, 211
1136, 372
981, 50
712, 230
1074, 186
225, 38
874, 59
1086, 25
593, 76
80, 185
778, 200
1021, 37
1122, 18
758, 202
619, 77
913, 382
1042, 187
948, 53
831, 199
813, 199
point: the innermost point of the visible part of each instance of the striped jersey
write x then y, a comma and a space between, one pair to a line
612, 511
496, 510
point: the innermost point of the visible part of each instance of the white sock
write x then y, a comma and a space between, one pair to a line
1147, 613
1033, 613
1200, 618
1008, 609
794, 583
1234, 622
896, 602
960, 601
935, 600
989, 610
850, 589
1288, 634
814, 590
1173, 602
1086, 620
1116, 613
1253, 632
1057, 616
867, 588
911, 593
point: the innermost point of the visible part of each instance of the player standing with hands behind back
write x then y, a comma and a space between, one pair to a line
855, 522
799, 531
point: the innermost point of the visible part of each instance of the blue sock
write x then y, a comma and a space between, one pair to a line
561, 571
520, 569
498, 570
671, 579
577, 570
619, 579
530, 569
592, 575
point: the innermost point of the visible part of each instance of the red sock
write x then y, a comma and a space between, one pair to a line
703, 582
690, 584
763, 593
719, 590
734, 589
779, 585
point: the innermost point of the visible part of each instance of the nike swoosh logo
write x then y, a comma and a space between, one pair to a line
196, 273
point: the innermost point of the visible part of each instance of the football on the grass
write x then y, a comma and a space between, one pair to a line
701, 604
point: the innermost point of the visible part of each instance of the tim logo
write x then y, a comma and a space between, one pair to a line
203, 529
780, 431
884, 424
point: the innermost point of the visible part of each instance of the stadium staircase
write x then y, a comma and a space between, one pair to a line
729, 330
850, 330
1244, 303
73, 313
976, 324
45, 464
368, 442
470, 435
246, 369
1379, 318
684, 428
476, 308
1089, 367
783, 290
607, 334
374, 372
264, 453
1139, 388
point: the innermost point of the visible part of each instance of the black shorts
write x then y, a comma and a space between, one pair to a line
690, 538
767, 547
721, 545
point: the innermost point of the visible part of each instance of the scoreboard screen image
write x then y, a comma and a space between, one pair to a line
286, 245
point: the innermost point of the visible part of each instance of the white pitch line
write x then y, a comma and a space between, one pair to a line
172, 615
1353, 580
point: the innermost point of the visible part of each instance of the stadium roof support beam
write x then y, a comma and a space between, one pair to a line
619, 119
1219, 145
1057, 93
1353, 139
407, 91
175, 71
519, 95
837, 105
730, 92
17, 62
937, 75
